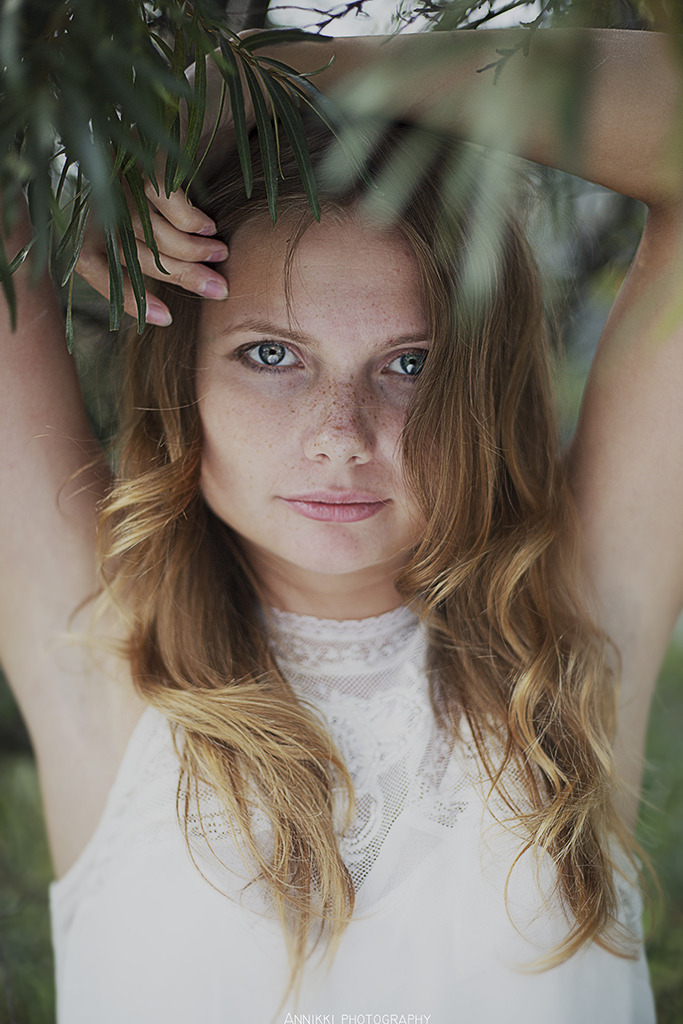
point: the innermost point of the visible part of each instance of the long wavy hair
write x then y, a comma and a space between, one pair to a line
494, 577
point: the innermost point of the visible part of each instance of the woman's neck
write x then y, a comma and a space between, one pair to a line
357, 595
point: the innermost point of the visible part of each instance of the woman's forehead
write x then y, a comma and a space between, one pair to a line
342, 270
337, 248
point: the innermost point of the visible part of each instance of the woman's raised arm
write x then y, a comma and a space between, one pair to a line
47, 532
79, 709
625, 84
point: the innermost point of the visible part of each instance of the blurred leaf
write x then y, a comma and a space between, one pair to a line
397, 182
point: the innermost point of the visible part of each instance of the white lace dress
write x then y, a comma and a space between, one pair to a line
141, 937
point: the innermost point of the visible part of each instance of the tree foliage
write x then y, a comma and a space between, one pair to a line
92, 93
95, 97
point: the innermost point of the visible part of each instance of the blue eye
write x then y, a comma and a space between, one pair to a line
270, 353
408, 364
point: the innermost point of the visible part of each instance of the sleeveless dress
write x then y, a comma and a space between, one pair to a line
145, 933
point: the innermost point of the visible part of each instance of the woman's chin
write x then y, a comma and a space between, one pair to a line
334, 569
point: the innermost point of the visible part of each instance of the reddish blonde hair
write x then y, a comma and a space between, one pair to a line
494, 578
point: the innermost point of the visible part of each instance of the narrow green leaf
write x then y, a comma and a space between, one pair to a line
353, 144
20, 257
68, 238
81, 222
286, 109
9, 194
163, 46
62, 178
221, 104
8, 285
172, 157
130, 254
328, 112
281, 35
79, 198
39, 194
177, 75
121, 155
115, 278
197, 112
70, 316
179, 61
266, 139
290, 72
231, 75
137, 188
79, 182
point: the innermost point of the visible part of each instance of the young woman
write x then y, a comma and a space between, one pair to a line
372, 716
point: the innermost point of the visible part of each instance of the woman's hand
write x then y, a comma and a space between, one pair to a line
183, 236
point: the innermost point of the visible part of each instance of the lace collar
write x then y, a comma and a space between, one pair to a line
305, 643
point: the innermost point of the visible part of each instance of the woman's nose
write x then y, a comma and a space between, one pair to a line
340, 427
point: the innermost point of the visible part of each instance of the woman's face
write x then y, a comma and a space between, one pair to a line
303, 394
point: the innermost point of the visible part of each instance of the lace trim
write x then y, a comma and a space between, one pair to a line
346, 647
366, 679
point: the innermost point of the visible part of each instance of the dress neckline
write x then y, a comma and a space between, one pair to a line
305, 642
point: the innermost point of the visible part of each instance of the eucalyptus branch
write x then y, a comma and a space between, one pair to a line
522, 46
93, 96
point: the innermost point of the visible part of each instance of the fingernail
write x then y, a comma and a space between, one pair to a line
213, 289
158, 315
218, 256
208, 229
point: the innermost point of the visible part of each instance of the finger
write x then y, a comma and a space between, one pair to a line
179, 212
192, 277
93, 267
178, 244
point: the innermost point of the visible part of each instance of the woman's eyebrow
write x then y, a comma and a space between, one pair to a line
290, 333
267, 327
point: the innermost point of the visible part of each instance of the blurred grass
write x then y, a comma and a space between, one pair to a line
26, 971
661, 832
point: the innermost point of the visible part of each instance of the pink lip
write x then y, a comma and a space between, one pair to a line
337, 506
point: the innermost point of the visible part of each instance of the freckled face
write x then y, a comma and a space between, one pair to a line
303, 403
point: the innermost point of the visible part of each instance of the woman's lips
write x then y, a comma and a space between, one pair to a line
337, 506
